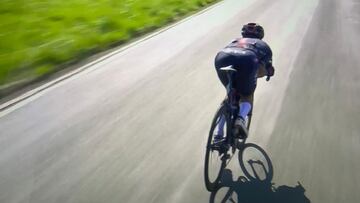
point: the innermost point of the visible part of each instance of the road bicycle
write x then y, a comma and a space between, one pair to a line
218, 154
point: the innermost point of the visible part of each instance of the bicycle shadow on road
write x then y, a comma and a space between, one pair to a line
255, 188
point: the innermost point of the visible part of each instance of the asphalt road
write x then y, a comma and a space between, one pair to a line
133, 127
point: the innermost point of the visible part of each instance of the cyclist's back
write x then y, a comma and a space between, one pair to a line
258, 46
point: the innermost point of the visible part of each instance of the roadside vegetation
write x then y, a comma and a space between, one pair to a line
39, 37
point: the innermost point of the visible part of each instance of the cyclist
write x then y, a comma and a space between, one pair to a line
252, 58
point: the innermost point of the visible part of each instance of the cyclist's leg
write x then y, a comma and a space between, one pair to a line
219, 130
246, 105
245, 85
246, 82
222, 59
245, 108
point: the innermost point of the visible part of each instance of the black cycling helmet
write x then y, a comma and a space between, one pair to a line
252, 30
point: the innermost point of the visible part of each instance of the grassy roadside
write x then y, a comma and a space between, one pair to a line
38, 37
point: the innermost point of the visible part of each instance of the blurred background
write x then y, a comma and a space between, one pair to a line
40, 37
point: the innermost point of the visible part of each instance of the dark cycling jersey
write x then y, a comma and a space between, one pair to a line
246, 55
259, 47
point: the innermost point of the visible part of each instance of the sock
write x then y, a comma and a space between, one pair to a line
245, 108
220, 126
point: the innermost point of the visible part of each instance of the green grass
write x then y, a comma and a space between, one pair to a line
38, 36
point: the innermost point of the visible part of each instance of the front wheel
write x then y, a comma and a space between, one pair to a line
216, 154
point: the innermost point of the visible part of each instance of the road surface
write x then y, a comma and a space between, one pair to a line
132, 128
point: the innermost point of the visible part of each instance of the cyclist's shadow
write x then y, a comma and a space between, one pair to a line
256, 187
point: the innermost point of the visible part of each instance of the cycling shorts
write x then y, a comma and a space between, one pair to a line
245, 62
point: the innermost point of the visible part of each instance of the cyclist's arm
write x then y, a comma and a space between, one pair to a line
266, 69
268, 66
262, 71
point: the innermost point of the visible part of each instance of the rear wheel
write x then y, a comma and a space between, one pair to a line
216, 154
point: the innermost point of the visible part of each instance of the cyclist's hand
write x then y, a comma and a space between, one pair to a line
270, 72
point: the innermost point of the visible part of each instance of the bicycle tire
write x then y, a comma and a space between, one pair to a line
213, 185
